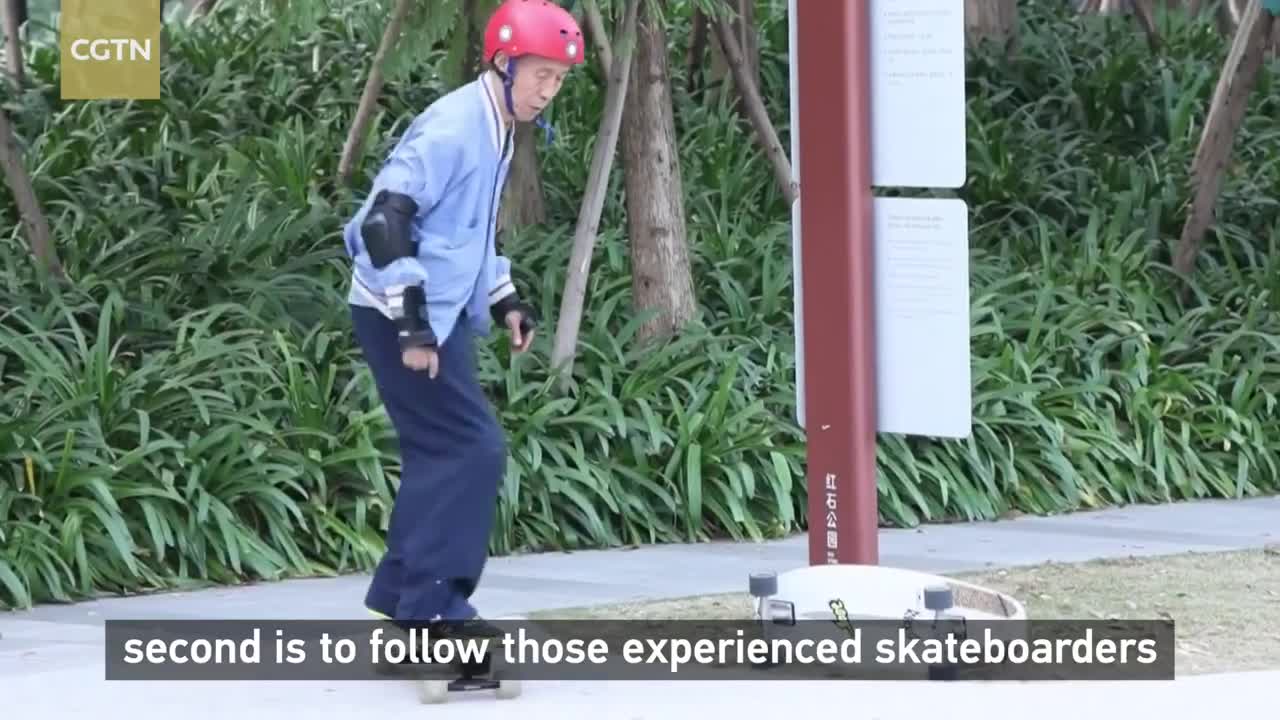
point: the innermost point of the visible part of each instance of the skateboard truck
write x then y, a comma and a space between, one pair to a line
469, 678
469, 675
763, 586
768, 611
940, 600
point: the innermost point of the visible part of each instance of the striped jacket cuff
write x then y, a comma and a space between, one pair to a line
503, 289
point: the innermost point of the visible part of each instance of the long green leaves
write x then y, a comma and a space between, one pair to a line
194, 410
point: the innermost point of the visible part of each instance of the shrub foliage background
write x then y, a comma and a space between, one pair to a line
194, 410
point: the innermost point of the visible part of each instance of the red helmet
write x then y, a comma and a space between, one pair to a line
533, 27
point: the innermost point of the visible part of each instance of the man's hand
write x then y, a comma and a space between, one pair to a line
520, 318
520, 341
420, 358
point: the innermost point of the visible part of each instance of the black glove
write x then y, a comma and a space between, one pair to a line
528, 315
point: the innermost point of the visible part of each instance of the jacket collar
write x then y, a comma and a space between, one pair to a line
499, 133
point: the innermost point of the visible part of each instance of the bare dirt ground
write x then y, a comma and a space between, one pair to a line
1225, 606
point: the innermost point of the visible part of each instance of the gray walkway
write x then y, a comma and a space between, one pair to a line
51, 657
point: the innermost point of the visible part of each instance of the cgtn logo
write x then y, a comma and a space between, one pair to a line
111, 49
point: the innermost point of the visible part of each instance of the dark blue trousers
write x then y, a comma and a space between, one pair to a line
454, 456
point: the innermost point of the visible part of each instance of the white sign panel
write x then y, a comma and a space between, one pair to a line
917, 93
923, 384
918, 140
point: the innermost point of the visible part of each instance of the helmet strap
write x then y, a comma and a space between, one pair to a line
546, 128
508, 79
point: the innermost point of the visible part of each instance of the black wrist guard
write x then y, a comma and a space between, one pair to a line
528, 315
407, 310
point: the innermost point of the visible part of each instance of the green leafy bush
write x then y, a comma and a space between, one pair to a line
193, 409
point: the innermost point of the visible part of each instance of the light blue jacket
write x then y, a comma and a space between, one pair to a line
453, 161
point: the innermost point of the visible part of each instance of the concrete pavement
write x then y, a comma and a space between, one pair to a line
51, 657
80, 693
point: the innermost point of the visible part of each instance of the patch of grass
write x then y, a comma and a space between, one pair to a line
1222, 603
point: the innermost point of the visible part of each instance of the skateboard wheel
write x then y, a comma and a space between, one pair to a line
938, 597
433, 692
763, 584
508, 689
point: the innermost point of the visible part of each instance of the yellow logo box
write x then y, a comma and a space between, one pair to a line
110, 49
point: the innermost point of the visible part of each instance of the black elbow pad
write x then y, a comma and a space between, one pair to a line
388, 228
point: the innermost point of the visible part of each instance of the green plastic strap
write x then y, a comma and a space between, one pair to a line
1271, 6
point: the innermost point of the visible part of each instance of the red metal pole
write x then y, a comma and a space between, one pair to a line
837, 239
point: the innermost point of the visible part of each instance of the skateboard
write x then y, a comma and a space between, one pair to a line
436, 680
463, 676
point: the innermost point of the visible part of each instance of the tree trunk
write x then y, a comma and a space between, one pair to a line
24, 195
994, 20
197, 9
1225, 20
522, 202
744, 29
15, 13
755, 110
1145, 12
15, 171
1226, 112
696, 54
584, 236
661, 279
600, 36
1112, 7
372, 89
